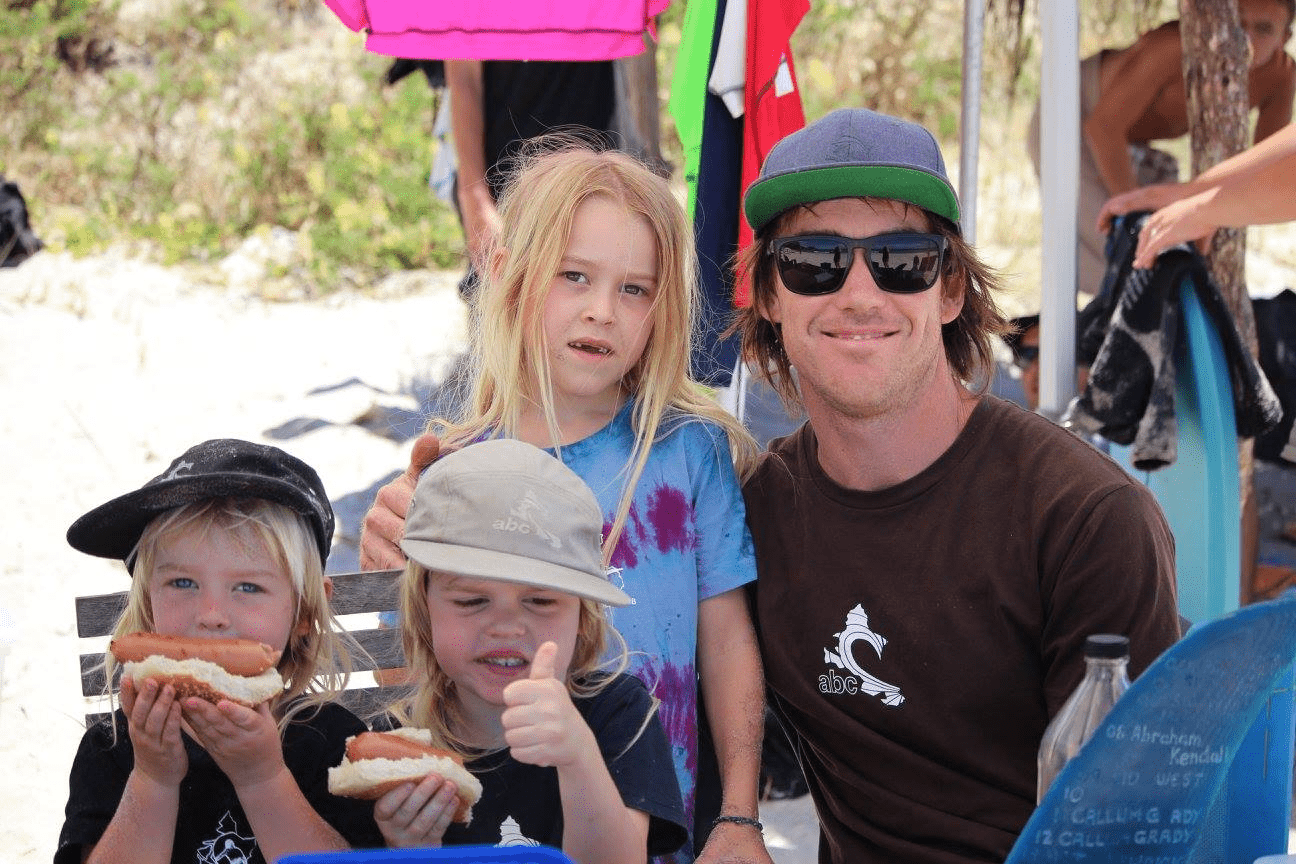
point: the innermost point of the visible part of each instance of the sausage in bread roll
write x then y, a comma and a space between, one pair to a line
240, 670
377, 762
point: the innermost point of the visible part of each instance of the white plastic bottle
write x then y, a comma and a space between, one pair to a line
1106, 678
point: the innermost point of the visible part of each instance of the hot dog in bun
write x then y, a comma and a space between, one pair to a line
240, 670
377, 762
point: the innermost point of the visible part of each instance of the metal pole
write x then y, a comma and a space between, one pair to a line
1059, 196
970, 131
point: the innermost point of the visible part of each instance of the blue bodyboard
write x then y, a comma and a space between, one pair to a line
1152, 783
1199, 490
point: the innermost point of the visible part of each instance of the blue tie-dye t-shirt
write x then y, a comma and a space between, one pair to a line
685, 540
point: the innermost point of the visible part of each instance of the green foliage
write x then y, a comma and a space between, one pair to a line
369, 190
218, 117
30, 36
897, 58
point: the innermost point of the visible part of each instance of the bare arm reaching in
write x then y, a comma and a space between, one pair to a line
1250, 188
732, 681
468, 126
1141, 74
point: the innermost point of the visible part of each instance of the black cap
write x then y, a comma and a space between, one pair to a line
1021, 324
1106, 646
220, 468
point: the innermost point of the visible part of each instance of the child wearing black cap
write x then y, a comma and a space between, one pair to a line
229, 541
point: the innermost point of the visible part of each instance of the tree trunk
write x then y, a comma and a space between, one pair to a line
1215, 75
638, 117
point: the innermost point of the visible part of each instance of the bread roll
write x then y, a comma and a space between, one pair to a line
377, 762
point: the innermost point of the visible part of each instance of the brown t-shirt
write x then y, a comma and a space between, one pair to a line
918, 639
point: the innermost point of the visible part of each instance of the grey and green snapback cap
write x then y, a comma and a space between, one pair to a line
852, 153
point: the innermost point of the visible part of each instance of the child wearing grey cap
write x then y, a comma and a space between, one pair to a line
505, 637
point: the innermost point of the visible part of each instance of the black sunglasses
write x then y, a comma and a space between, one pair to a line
1025, 355
813, 264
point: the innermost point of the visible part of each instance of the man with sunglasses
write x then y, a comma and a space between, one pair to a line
930, 558
1023, 341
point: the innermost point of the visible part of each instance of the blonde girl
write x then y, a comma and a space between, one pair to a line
230, 541
581, 344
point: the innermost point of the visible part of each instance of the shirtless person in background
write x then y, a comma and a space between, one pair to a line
1136, 95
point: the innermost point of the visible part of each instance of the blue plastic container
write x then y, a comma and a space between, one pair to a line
463, 854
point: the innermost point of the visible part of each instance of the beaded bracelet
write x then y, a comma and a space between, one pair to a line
738, 820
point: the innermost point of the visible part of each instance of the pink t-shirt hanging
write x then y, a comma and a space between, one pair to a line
502, 29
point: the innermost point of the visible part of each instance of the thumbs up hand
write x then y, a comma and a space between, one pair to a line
542, 664
541, 725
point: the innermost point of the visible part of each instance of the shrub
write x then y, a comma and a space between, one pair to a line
216, 117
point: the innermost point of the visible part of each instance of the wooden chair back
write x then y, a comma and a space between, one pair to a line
354, 594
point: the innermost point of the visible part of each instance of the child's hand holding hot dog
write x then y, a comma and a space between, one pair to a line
417, 816
153, 720
243, 741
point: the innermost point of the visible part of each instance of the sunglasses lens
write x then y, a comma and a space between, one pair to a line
1025, 355
905, 264
813, 265
900, 263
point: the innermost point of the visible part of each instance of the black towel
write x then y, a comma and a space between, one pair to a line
1129, 334
1275, 319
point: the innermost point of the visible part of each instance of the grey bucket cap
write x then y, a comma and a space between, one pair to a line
506, 510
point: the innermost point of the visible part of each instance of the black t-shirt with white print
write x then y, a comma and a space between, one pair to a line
520, 804
211, 827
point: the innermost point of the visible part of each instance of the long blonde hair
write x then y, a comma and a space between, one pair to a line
315, 664
554, 177
432, 703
